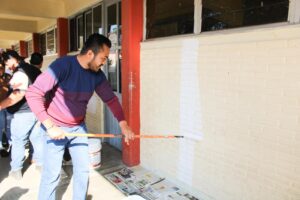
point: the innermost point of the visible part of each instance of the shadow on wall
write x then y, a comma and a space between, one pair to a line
14, 193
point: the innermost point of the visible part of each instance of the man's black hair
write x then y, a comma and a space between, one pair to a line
95, 42
11, 54
36, 59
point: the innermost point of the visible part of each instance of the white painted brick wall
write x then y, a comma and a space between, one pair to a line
94, 117
248, 112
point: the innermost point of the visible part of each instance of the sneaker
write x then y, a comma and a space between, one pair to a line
4, 153
17, 175
5, 144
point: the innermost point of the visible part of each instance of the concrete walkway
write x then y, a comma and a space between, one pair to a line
27, 188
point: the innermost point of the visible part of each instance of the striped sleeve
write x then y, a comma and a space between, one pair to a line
107, 95
35, 94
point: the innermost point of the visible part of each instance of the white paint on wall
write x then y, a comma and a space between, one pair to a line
190, 107
190, 112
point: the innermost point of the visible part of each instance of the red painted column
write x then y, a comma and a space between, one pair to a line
132, 30
62, 37
23, 49
36, 42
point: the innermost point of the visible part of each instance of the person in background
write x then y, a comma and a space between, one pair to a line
4, 81
36, 60
23, 120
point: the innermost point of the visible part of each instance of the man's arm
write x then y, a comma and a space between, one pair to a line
107, 95
19, 83
36, 101
12, 99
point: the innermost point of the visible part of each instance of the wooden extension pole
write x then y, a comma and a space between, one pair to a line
96, 135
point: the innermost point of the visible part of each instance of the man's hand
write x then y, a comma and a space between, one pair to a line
126, 130
56, 133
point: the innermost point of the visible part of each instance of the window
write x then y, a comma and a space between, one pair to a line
97, 19
83, 25
88, 24
17, 48
55, 39
80, 32
73, 34
50, 42
218, 14
43, 44
29, 47
175, 17
112, 33
169, 17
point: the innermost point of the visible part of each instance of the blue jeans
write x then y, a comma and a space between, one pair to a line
2, 126
8, 118
23, 127
53, 155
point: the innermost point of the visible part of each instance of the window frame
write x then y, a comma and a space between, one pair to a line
145, 24
51, 28
69, 34
83, 13
292, 18
102, 13
17, 48
29, 45
77, 30
89, 11
47, 42
294, 12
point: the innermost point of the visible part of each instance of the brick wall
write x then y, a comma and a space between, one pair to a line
235, 94
47, 60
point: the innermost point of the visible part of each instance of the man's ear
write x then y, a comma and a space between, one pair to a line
90, 54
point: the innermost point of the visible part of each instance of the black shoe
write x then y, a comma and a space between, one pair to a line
4, 153
67, 156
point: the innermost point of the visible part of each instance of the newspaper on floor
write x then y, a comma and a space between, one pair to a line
121, 183
147, 185
159, 190
179, 195
166, 190
132, 182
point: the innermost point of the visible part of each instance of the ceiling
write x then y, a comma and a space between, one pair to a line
19, 18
